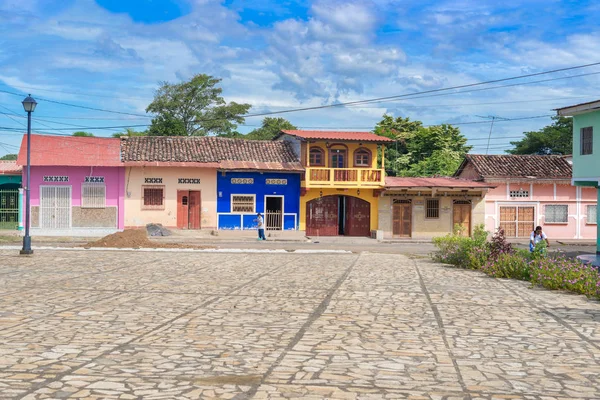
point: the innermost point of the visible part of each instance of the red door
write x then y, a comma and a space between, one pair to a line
358, 217
322, 216
183, 200
194, 210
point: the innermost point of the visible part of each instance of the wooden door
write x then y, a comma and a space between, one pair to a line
402, 220
508, 221
358, 217
183, 201
322, 216
195, 201
461, 215
525, 221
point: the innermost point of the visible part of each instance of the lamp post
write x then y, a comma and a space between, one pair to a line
29, 105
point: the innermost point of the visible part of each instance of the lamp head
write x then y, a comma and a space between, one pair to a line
29, 104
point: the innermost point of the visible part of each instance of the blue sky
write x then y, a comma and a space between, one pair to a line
276, 55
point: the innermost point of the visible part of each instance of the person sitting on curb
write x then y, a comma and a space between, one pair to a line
261, 227
537, 236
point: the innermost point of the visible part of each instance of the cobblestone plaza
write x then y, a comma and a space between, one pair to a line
190, 325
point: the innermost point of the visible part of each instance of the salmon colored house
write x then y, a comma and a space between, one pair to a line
344, 175
533, 190
77, 185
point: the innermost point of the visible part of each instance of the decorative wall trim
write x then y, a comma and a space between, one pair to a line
193, 181
56, 178
153, 180
93, 179
276, 181
242, 181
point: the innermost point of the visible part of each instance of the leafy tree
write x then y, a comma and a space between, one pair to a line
270, 128
9, 157
556, 138
419, 150
83, 134
194, 108
129, 132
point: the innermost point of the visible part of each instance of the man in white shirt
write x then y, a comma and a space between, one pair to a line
537, 236
261, 227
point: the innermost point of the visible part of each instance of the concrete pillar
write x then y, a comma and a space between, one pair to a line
20, 209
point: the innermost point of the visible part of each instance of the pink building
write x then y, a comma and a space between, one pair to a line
533, 190
77, 185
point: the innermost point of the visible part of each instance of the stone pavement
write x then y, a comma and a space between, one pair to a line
158, 325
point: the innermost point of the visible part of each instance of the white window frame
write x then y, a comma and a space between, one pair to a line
93, 202
591, 221
243, 212
546, 221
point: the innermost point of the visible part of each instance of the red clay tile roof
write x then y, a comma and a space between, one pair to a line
225, 153
339, 135
10, 167
392, 182
70, 151
520, 166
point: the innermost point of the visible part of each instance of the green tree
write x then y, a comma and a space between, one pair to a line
556, 138
400, 129
9, 157
83, 134
194, 108
270, 128
129, 132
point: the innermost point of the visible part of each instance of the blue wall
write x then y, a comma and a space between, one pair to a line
225, 188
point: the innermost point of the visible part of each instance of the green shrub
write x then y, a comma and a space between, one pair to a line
566, 274
508, 265
464, 252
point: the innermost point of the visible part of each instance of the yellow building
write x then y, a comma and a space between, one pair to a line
344, 174
423, 208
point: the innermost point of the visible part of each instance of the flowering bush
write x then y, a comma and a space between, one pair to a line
508, 265
464, 252
567, 274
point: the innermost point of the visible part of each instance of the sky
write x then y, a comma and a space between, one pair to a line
280, 55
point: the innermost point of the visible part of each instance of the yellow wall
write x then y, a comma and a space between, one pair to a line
134, 180
350, 153
365, 194
424, 228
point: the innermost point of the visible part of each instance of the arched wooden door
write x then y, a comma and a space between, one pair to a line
322, 216
358, 217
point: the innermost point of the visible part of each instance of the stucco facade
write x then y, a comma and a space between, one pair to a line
171, 180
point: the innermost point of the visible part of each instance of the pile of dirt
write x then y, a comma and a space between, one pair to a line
136, 239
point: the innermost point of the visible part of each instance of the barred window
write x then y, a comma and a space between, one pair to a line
153, 197
243, 203
432, 208
557, 213
592, 214
587, 143
93, 195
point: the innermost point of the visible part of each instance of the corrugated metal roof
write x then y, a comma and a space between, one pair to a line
70, 151
339, 135
392, 182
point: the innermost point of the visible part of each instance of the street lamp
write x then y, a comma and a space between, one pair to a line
29, 105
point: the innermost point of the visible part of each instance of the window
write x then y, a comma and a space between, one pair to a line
243, 203
362, 158
153, 197
519, 193
587, 143
317, 157
432, 208
592, 214
557, 214
93, 195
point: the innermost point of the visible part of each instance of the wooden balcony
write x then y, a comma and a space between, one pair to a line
344, 178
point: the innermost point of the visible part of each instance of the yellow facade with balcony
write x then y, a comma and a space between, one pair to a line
344, 173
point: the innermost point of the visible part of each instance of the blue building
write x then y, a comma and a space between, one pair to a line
276, 195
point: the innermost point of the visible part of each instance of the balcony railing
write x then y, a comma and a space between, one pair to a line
343, 177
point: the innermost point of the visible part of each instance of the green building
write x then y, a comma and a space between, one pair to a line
586, 154
11, 195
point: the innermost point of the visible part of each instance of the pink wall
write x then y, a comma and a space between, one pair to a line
541, 195
114, 178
